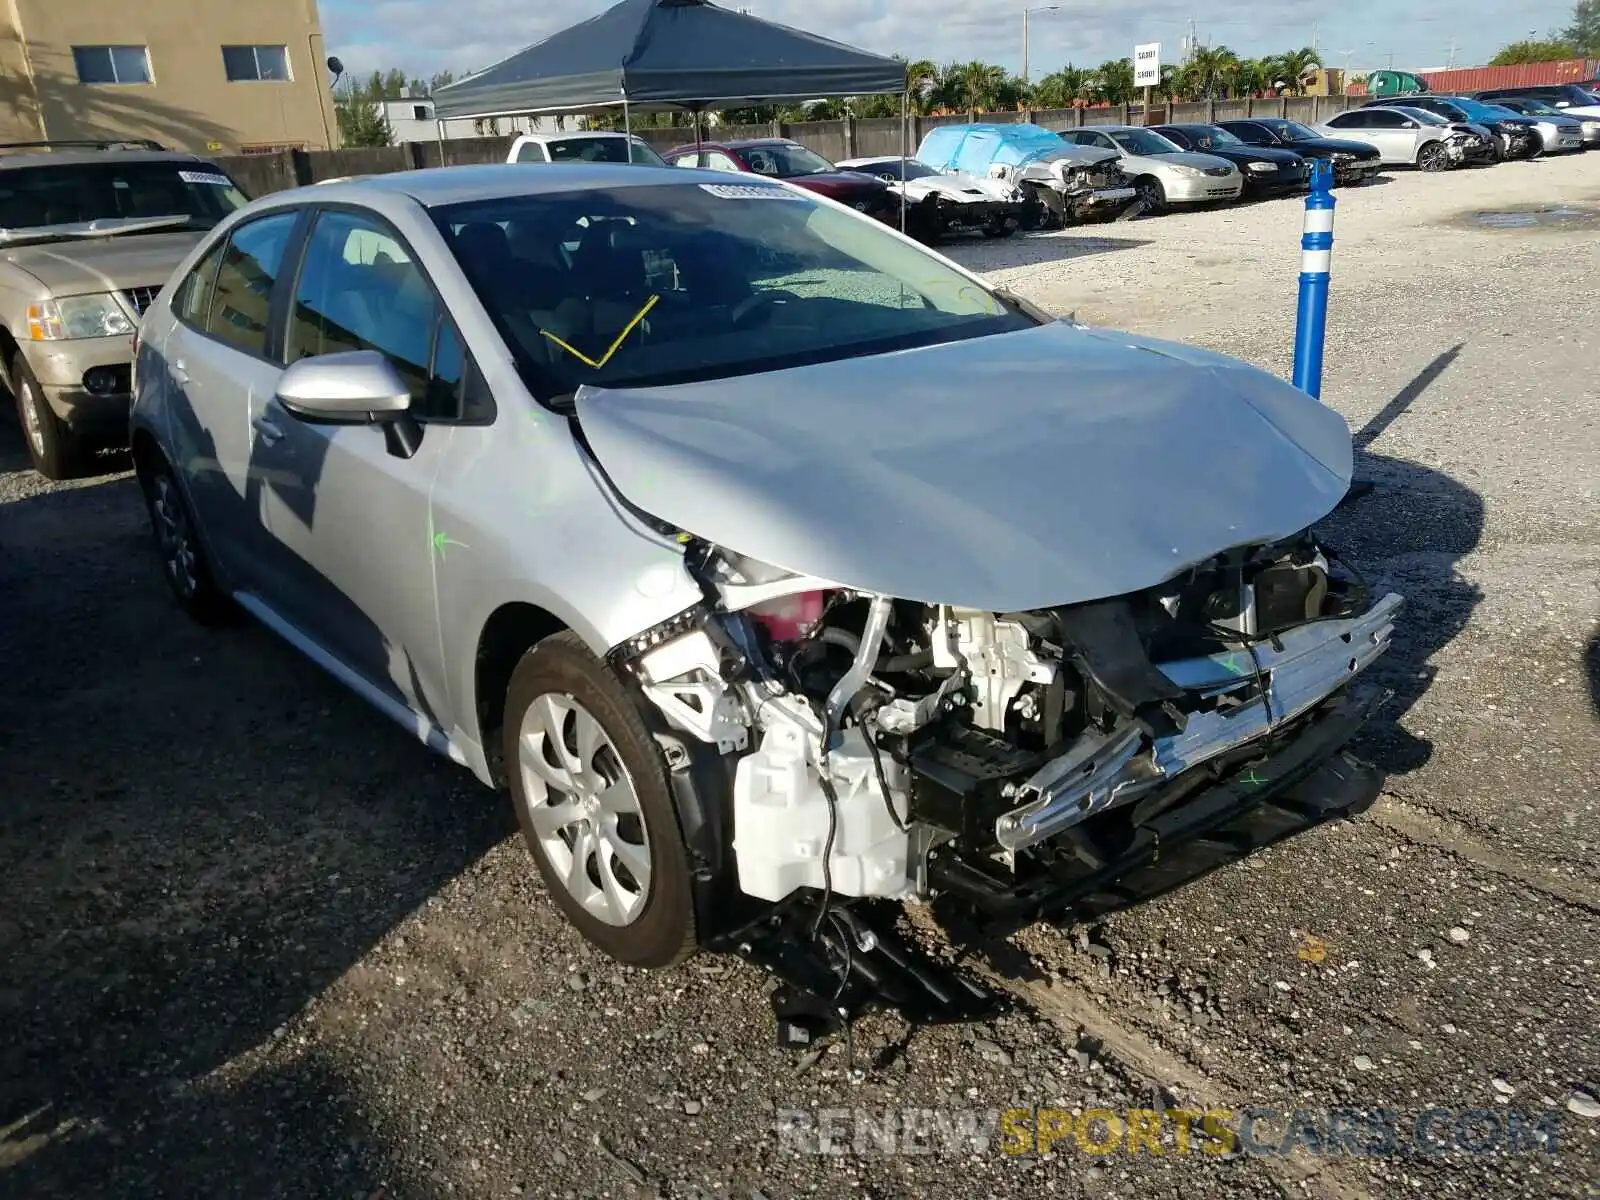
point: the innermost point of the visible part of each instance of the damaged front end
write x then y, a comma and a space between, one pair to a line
999, 765
1071, 190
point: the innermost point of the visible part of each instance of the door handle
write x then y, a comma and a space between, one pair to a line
269, 432
180, 370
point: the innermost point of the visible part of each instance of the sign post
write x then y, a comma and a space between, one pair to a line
1147, 72
1316, 261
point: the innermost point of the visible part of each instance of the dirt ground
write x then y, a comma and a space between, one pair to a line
255, 942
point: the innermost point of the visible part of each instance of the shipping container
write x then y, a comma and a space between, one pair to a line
1478, 79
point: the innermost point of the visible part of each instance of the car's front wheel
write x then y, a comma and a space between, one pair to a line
56, 451
1433, 157
1151, 194
590, 788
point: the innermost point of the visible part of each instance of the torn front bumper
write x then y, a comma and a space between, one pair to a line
1304, 776
956, 215
1253, 694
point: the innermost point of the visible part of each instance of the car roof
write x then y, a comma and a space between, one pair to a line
742, 143
564, 134
434, 187
22, 158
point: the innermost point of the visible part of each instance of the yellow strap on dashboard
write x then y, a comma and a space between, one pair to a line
610, 350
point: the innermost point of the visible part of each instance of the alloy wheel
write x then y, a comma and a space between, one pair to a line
584, 809
174, 535
1431, 157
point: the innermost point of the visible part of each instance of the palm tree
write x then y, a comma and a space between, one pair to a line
1248, 76
1063, 88
921, 79
947, 91
1113, 81
1208, 70
981, 83
1294, 66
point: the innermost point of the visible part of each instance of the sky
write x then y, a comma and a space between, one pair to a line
424, 36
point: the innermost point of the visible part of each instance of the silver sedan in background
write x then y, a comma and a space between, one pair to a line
1552, 121
1164, 174
1409, 136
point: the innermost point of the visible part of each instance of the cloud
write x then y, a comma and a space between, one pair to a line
422, 37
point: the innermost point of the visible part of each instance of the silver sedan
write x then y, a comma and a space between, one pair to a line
749, 544
1553, 124
1163, 172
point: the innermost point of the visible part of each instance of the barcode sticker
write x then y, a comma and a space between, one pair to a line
745, 191
205, 177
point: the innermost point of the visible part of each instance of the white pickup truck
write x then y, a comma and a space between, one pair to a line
583, 147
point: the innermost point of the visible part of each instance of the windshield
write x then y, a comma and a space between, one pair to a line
1293, 131
71, 194
1143, 141
603, 149
783, 161
1474, 111
1537, 108
1206, 137
679, 282
1424, 117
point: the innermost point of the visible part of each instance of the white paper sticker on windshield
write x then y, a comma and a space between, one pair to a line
205, 177
745, 191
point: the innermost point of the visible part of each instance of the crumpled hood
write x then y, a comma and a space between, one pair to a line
1047, 466
82, 265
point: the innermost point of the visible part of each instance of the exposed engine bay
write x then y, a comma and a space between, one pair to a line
1070, 190
894, 749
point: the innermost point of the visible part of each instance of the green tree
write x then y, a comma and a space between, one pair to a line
1063, 88
981, 84
1113, 81
1584, 32
1533, 52
361, 119
1294, 66
1207, 71
921, 78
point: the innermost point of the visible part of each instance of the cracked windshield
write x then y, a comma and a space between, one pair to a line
666, 283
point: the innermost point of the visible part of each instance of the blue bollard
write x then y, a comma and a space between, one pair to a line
1316, 255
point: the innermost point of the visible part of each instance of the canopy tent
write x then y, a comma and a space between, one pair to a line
658, 54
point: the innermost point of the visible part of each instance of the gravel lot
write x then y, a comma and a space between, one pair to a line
254, 942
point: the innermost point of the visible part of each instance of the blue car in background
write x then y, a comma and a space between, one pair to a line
1064, 184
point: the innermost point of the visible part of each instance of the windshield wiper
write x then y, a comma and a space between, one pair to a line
81, 230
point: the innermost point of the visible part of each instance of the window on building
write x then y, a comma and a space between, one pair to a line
112, 64
419, 112
245, 64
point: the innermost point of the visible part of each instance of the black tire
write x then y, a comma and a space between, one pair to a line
183, 556
1433, 158
1151, 194
56, 451
662, 932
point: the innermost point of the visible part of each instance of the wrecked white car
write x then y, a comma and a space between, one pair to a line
1064, 184
777, 565
941, 203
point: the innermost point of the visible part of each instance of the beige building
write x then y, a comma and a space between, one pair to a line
211, 76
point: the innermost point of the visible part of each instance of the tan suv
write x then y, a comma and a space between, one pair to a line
89, 233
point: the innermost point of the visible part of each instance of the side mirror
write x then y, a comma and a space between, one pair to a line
360, 387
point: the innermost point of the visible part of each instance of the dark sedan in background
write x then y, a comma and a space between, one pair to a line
1267, 170
1353, 162
779, 158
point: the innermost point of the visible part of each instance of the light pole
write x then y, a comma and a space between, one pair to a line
1025, 12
